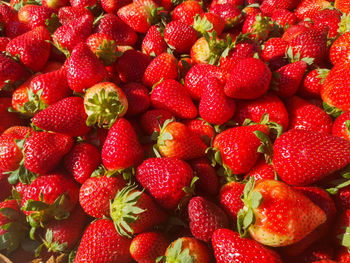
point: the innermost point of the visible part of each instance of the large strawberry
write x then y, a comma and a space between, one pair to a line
304, 157
34, 15
276, 215
101, 243
165, 179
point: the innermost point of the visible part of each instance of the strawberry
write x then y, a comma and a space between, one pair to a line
268, 6
82, 160
209, 22
232, 2
114, 27
208, 182
227, 11
294, 30
83, 68
207, 49
153, 43
342, 5
343, 254
66, 116
186, 12
163, 66
341, 125
83, 3
134, 211
330, 18
304, 157
148, 246
104, 47
309, 8
187, 249
153, 119
104, 103
230, 199
170, 95
312, 44
15, 28
139, 15
283, 17
266, 201
249, 79
254, 110
55, 4
257, 26
52, 66
132, 65
180, 36
238, 147
335, 85
274, 53
67, 14
203, 129
9, 119
3, 43
176, 140
312, 83
121, 149
215, 107
138, 98
32, 48
205, 217
101, 243
340, 49
230, 247
306, 116
164, 179
262, 170
35, 15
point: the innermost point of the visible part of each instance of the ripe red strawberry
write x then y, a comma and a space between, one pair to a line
148, 246
66, 116
138, 98
311, 44
230, 247
207, 50
340, 49
67, 14
96, 193
330, 18
306, 116
336, 84
230, 199
342, 254
341, 126
132, 65
227, 11
121, 149
258, 26
208, 182
104, 103
309, 8
84, 69
176, 140
153, 43
55, 4
180, 36
3, 43
284, 18
208, 22
266, 201
205, 217
197, 75
215, 107
101, 243
82, 160
262, 170
34, 15
32, 48
239, 147
104, 47
134, 211
187, 249
186, 12
312, 83
294, 30
164, 179
342, 5
9, 119
304, 157
268, 6
114, 27
203, 129
249, 79
170, 95
267, 104
139, 15
274, 53
14, 28
83, 3
153, 119
7, 13
163, 66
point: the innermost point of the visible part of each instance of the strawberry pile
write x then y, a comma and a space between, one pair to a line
175, 131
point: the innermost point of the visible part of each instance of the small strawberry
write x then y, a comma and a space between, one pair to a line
230, 199
82, 160
96, 247
32, 48
249, 79
309, 8
230, 247
152, 120
284, 18
274, 53
138, 98
186, 12
153, 44
203, 129
209, 22
341, 126
148, 246
104, 103
340, 49
121, 149
84, 69
104, 47
164, 179
67, 14
304, 157
229, 12
66, 116
170, 95
262, 170
312, 83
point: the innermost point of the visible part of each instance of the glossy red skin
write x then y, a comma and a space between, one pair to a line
83, 3
230, 247
153, 42
328, 17
309, 8
186, 11
293, 31
34, 15
268, 6
203, 129
164, 179
284, 17
138, 98
149, 120
342, 255
11, 70
305, 157
311, 85
230, 199
101, 243
112, 6
231, 14
238, 147
180, 36
67, 14
3, 43
339, 126
262, 170
340, 49
274, 53
96, 192
82, 160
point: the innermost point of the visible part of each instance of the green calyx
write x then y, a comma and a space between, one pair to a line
214, 155
202, 25
342, 182
176, 254
331, 110
52, 23
105, 109
347, 125
124, 210
50, 244
296, 57
153, 14
58, 45
345, 238
34, 103
322, 74
252, 200
161, 136
107, 52
262, 27
217, 48
344, 24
